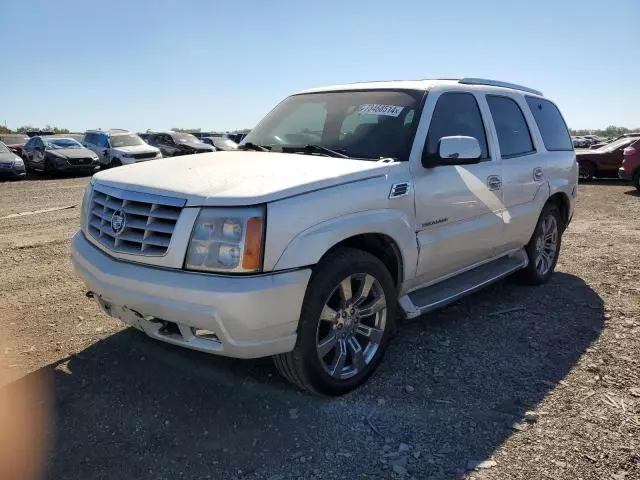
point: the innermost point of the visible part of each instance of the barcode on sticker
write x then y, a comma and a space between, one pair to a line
377, 109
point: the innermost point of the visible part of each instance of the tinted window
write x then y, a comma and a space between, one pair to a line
456, 114
513, 133
101, 140
555, 134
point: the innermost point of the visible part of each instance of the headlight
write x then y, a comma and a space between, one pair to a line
84, 209
227, 240
159, 154
17, 162
126, 155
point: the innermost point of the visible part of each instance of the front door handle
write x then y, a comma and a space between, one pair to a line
538, 173
494, 182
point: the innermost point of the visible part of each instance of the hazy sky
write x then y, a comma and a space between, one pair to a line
159, 64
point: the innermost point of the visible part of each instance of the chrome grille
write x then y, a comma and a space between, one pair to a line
149, 220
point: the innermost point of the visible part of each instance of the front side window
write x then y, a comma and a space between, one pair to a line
514, 137
365, 124
456, 114
101, 141
553, 129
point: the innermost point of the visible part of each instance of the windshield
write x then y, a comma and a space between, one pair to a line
363, 124
224, 143
54, 143
623, 142
184, 138
4, 148
130, 140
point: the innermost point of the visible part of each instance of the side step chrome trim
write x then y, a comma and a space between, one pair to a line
440, 294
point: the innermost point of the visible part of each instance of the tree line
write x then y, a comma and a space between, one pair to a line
29, 128
610, 131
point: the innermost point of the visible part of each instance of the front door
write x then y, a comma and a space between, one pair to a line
458, 207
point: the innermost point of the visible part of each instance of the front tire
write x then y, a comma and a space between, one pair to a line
636, 180
544, 247
346, 323
586, 171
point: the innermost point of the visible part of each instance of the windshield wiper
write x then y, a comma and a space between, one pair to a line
315, 149
253, 146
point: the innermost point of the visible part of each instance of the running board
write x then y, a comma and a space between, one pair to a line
440, 294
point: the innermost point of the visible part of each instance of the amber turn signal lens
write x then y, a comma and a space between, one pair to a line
252, 258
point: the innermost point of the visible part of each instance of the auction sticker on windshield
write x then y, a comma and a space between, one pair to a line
376, 109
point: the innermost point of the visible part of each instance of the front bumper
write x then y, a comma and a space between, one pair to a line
12, 172
623, 175
245, 317
64, 165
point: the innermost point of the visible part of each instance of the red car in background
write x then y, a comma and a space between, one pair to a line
604, 161
630, 169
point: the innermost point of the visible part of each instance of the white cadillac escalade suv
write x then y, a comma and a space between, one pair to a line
344, 207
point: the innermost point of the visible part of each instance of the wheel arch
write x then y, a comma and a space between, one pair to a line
561, 200
381, 246
386, 234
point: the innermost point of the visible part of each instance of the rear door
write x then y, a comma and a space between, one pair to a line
522, 167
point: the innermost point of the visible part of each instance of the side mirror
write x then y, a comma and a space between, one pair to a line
456, 150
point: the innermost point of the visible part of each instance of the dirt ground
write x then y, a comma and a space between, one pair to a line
537, 383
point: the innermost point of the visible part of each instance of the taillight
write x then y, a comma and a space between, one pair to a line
629, 151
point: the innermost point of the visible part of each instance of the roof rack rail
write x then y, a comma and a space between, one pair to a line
496, 83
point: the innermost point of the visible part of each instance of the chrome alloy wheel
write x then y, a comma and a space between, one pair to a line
546, 245
351, 325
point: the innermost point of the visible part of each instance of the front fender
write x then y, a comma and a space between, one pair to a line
308, 247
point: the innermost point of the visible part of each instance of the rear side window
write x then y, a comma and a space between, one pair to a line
456, 114
554, 131
514, 137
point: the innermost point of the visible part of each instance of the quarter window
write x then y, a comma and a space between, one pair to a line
553, 129
514, 137
456, 114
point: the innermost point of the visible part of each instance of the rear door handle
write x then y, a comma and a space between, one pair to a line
494, 182
538, 173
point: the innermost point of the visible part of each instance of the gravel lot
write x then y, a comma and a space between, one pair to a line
541, 383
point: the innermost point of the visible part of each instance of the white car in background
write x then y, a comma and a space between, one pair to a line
119, 147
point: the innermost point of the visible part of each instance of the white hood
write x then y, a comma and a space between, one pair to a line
239, 177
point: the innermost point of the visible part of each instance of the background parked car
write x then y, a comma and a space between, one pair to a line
11, 165
172, 144
221, 143
119, 147
604, 161
56, 154
608, 141
15, 142
630, 169
579, 142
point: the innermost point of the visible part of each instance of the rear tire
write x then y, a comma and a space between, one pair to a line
346, 322
544, 247
586, 171
636, 180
